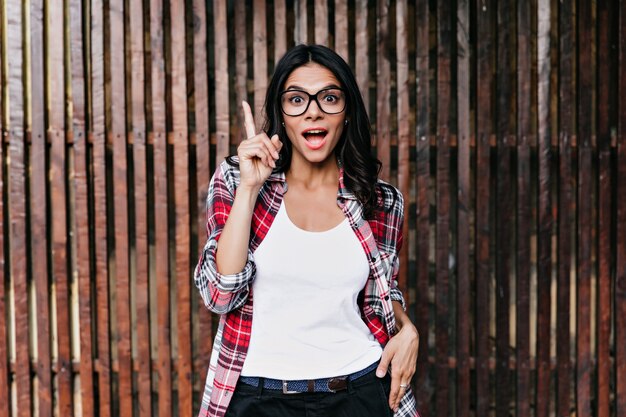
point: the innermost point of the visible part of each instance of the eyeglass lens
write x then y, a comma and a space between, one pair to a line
296, 102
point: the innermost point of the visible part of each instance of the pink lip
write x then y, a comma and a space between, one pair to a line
315, 146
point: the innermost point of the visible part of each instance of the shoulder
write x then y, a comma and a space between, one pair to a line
228, 174
390, 199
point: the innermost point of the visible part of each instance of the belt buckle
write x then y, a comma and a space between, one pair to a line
286, 390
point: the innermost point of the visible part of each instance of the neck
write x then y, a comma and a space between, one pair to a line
313, 174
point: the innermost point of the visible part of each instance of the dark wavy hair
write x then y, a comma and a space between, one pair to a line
353, 150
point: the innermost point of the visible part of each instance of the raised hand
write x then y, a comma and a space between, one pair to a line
257, 154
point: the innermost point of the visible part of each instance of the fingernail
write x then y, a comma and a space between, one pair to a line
380, 373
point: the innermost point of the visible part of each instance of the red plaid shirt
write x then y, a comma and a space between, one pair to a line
231, 296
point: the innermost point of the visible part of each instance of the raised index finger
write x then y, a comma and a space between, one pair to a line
248, 120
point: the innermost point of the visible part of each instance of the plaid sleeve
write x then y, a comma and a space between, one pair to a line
221, 293
397, 221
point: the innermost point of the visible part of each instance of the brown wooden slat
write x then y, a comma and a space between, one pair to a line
201, 100
141, 357
38, 221
524, 214
620, 273
566, 203
484, 56
361, 64
422, 202
341, 28
583, 319
522, 288
160, 208
221, 79
4, 362
404, 179
259, 45
442, 251
321, 22
100, 206
58, 208
181, 201
505, 100
464, 270
603, 287
544, 214
442, 240
241, 67
301, 25
16, 202
383, 88
566, 210
280, 30
117, 136
584, 203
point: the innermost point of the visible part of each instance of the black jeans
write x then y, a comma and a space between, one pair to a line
367, 396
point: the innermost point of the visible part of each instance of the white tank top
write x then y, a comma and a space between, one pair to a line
306, 323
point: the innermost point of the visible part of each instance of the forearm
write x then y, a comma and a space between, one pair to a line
232, 248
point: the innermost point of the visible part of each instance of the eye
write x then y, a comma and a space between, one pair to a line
295, 98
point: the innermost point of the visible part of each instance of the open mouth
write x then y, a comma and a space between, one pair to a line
315, 138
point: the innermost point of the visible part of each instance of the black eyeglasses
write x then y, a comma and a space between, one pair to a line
296, 102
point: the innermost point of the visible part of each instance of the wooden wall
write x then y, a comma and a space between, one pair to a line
503, 123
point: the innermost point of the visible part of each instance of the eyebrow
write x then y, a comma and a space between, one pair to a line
297, 87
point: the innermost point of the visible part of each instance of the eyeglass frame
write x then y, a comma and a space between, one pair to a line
311, 97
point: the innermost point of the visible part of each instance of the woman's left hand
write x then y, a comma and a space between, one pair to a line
401, 353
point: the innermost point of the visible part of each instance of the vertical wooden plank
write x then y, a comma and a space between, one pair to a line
605, 183
301, 27
620, 272
181, 201
567, 50
221, 77
341, 28
544, 214
383, 88
584, 238
321, 22
38, 221
260, 60
103, 366
361, 44
5, 389
442, 240
505, 199
117, 136
280, 31
484, 129
141, 353
404, 179
81, 257
422, 202
17, 204
241, 71
203, 154
464, 269
161, 249
524, 216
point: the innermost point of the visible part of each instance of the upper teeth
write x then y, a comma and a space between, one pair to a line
315, 131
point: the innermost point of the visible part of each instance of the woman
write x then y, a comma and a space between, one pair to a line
304, 274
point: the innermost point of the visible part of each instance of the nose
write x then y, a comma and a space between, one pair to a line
314, 110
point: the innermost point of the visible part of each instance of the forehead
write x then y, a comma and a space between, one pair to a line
311, 77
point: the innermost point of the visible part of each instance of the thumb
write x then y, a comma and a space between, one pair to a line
381, 371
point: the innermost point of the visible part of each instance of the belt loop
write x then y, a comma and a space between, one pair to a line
260, 387
349, 385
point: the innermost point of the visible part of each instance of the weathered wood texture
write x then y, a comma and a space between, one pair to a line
502, 123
